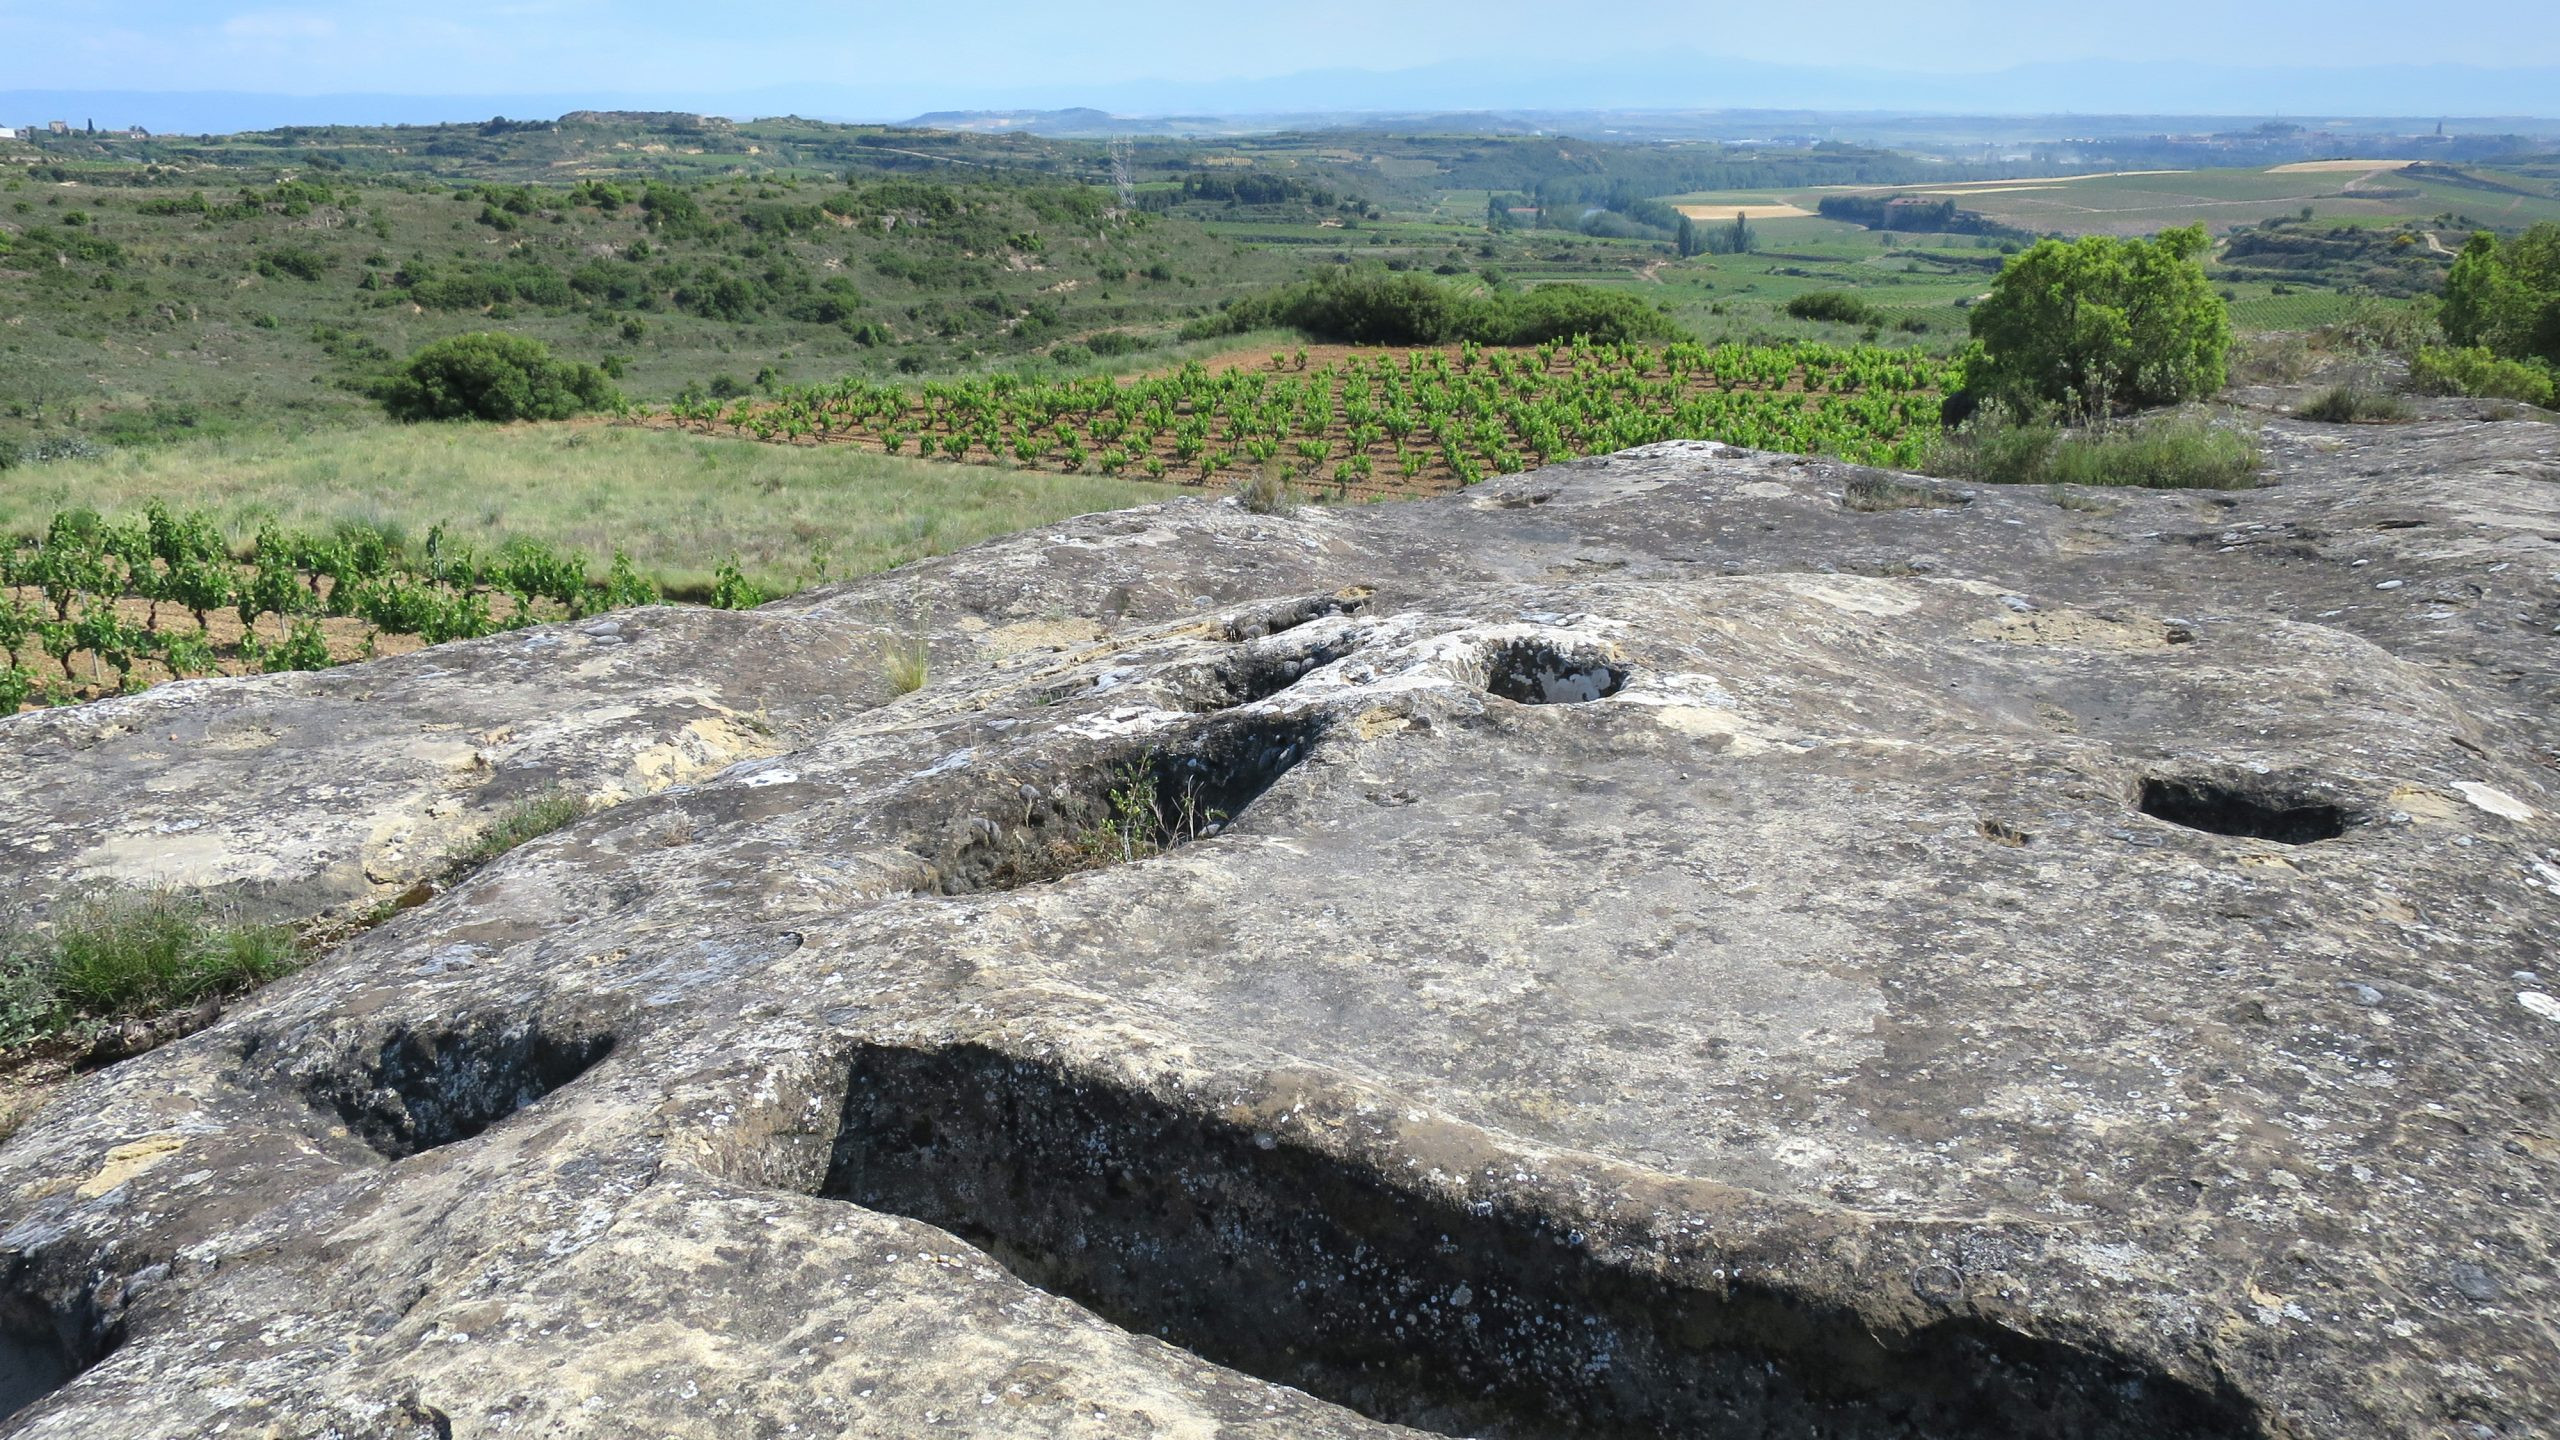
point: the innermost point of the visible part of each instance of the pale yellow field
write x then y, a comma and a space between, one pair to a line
1985, 187
2308, 167
1747, 212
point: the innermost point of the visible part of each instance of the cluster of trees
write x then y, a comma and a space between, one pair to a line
1913, 214
1737, 238
1245, 187
1378, 307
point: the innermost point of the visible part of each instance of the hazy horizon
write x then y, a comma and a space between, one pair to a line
874, 62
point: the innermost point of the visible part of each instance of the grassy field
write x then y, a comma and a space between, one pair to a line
677, 503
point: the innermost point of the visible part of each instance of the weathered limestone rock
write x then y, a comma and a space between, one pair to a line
1635, 949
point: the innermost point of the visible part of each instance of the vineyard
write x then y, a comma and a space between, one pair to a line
1411, 422
97, 607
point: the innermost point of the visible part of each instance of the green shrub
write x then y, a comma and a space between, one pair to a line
1839, 306
2473, 370
292, 262
2100, 324
2505, 299
2347, 405
732, 590
493, 376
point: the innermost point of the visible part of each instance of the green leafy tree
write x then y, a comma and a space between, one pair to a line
2100, 324
2505, 298
493, 376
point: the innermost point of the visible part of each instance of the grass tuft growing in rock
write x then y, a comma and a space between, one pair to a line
120, 955
2347, 405
1269, 492
906, 663
2162, 454
525, 821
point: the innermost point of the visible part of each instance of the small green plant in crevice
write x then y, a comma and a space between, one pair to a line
526, 820
123, 954
2347, 405
1139, 822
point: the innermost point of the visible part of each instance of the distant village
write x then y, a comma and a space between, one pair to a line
64, 127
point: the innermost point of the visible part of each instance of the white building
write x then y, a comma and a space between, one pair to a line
8, 133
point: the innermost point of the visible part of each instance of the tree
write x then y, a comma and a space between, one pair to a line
1740, 240
2505, 299
1690, 241
2100, 324
492, 376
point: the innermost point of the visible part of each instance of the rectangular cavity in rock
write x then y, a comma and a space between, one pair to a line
1262, 1254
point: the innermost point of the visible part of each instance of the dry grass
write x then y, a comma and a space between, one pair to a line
678, 503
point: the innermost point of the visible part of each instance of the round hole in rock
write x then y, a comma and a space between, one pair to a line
2255, 812
424, 1088
1534, 672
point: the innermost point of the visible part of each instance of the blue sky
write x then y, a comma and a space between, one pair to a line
459, 47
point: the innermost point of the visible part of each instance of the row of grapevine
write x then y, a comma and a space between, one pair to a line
95, 606
1396, 422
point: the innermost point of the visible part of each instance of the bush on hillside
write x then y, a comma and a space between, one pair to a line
493, 376
1839, 306
2098, 324
1376, 307
293, 262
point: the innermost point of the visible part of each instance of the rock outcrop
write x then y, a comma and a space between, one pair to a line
1638, 948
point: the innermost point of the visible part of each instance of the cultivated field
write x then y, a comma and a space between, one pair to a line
1379, 423
2139, 202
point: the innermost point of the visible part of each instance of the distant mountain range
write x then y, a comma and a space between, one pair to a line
2479, 97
